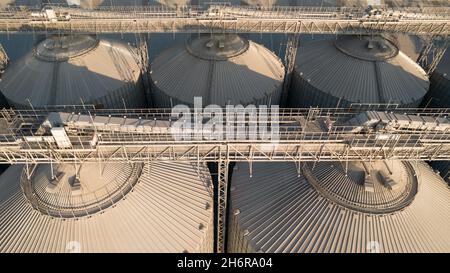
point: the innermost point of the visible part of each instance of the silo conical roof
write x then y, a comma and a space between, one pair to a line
61, 70
355, 69
278, 211
307, 3
222, 69
168, 210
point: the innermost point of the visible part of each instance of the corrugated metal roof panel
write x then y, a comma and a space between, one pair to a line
168, 211
108, 67
281, 212
308, 3
346, 3
356, 79
247, 77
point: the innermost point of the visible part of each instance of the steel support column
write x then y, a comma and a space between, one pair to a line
222, 188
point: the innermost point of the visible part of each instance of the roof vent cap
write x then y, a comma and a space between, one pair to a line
210, 44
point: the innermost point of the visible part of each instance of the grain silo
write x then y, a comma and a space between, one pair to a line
414, 3
64, 70
85, 4
351, 69
222, 69
6, 3
378, 206
159, 207
312, 3
173, 3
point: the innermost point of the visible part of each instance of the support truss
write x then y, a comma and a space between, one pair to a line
222, 195
4, 60
222, 19
300, 140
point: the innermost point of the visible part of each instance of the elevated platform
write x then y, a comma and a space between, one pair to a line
302, 135
222, 19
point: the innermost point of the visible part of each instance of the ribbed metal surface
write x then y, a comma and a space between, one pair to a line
414, 3
327, 76
254, 76
88, 4
276, 211
309, 3
346, 3
169, 210
107, 75
173, 3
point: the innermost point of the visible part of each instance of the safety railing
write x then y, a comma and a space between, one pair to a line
86, 204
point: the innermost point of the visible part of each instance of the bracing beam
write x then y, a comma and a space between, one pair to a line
433, 52
4, 60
